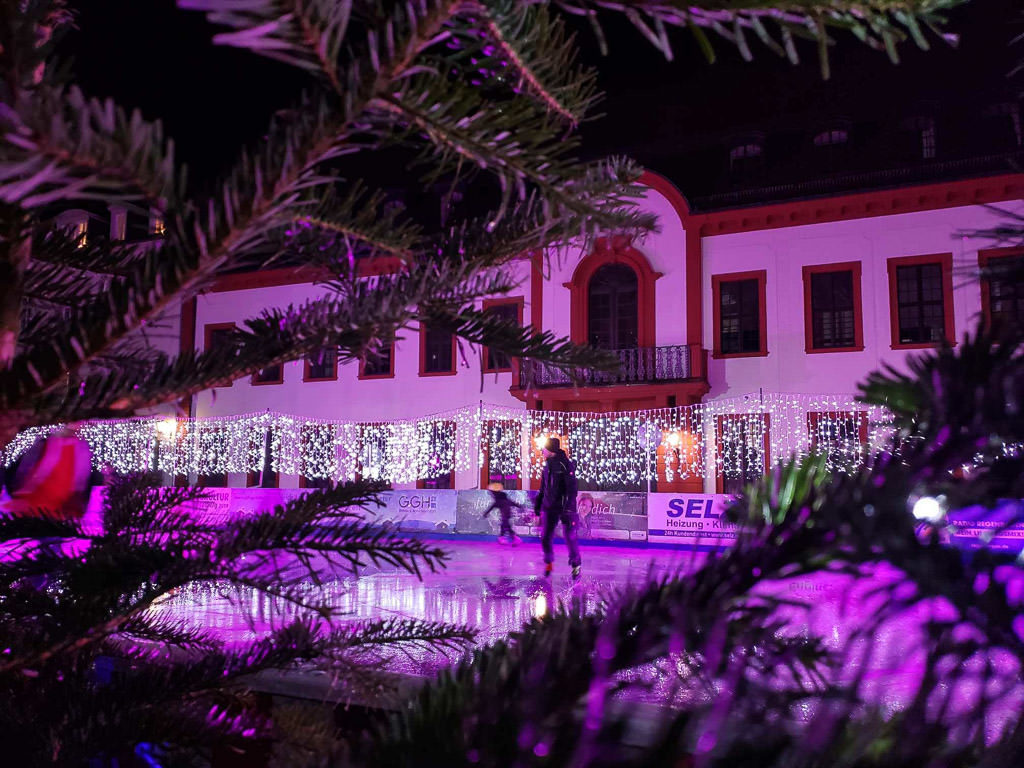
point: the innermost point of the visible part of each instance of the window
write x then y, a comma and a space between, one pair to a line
435, 450
921, 300
928, 140
322, 366
314, 482
75, 224
379, 364
832, 308
742, 448
217, 336
510, 310
841, 435
437, 351
740, 319
266, 477
273, 374
831, 137
501, 451
373, 461
1002, 288
613, 317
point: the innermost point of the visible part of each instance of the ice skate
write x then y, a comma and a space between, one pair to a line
548, 567
576, 570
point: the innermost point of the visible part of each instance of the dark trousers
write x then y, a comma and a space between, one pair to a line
506, 526
570, 524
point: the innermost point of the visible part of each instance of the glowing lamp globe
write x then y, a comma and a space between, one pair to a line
929, 509
166, 428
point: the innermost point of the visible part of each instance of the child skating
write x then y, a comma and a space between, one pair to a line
501, 502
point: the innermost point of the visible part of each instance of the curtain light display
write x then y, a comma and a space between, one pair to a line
728, 437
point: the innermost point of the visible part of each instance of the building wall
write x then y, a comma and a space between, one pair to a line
783, 253
664, 249
406, 395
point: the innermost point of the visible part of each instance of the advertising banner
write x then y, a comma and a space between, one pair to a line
689, 519
1000, 529
603, 515
472, 505
610, 515
419, 510
215, 508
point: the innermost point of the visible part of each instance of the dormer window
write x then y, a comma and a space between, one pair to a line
745, 158
831, 138
928, 139
156, 223
76, 225
744, 151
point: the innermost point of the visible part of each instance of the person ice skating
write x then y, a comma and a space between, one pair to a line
501, 502
556, 502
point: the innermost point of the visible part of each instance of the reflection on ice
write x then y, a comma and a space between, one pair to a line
496, 589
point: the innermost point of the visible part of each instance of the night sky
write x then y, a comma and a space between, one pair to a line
213, 99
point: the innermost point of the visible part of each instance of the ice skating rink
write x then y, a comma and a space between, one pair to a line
496, 588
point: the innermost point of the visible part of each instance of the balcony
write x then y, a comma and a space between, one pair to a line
641, 365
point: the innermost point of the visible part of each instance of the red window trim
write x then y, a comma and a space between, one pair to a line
761, 275
813, 417
945, 260
519, 301
614, 250
485, 457
389, 375
858, 307
306, 366
208, 329
272, 382
423, 356
766, 418
985, 257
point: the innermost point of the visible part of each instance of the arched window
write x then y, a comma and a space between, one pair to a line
613, 316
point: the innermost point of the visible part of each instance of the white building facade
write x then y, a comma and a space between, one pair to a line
743, 333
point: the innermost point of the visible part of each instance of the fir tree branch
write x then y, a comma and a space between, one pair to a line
59, 146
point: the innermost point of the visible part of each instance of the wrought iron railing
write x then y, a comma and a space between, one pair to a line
639, 365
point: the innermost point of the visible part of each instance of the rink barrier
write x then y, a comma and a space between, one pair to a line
686, 520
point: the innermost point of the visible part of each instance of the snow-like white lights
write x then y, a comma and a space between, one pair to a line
728, 438
929, 509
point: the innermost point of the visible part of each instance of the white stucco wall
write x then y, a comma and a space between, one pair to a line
784, 252
664, 249
406, 395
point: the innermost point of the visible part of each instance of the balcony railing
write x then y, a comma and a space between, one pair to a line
641, 365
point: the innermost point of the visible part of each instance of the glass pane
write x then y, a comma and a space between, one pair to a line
439, 355
379, 364
613, 318
739, 316
495, 359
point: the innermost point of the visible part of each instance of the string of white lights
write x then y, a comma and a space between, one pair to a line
734, 437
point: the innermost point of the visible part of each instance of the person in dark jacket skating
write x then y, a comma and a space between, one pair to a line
556, 502
501, 502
